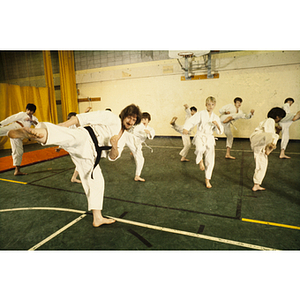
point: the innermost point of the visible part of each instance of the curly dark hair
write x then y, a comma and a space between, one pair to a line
276, 112
131, 110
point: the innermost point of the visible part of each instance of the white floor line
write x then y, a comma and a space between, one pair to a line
233, 150
43, 208
56, 233
196, 235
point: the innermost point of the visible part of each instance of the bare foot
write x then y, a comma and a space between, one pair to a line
283, 156
173, 121
103, 221
17, 173
269, 148
75, 180
229, 156
207, 183
138, 178
201, 164
24, 133
257, 187
184, 159
297, 116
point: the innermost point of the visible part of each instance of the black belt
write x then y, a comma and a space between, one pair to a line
98, 149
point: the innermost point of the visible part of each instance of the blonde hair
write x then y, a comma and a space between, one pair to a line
210, 99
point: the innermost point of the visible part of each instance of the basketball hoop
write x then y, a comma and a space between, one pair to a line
186, 54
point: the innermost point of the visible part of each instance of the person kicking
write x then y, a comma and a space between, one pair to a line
105, 129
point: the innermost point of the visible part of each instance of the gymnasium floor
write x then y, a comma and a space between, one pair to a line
172, 210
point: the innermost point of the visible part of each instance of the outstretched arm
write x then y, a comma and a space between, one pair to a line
72, 121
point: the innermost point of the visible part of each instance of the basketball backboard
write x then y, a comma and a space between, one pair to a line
176, 53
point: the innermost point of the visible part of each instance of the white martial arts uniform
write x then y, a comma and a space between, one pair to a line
235, 115
81, 148
263, 135
135, 144
204, 139
285, 124
16, 121
185, 137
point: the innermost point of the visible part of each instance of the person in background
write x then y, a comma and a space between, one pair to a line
230, 113
285, 124
263, 141
22, 119
185, 138
207, 122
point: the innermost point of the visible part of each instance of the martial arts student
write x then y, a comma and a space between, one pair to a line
230, 113
185, 138
75, 174
285, 124
263, 141
70, 115
207, 122
141, 132
19, 120
101, 128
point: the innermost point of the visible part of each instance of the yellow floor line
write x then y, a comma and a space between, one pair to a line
13, 181
271, 223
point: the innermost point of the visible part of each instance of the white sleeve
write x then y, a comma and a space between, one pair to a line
139, 132
34, 118
286, 107
121, 145
13, 118
217, 119
192, 121
152, 133
269, 125
224, 109
187, 113
100, 117
241, 115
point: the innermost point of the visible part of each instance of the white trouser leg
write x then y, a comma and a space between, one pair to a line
261, 164
5, 129
209, 159
178, 128
82, 151
228, 133
16, 144
139, 161
200, 149
93, 188
285, 134
186, 145
17, 151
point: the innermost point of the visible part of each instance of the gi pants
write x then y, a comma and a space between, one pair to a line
205, 146
227, 130
83, 154
259, 142
185, 140
16, 144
